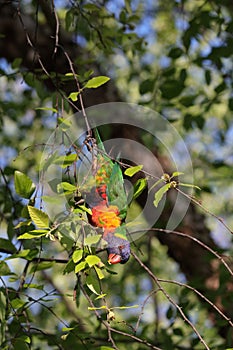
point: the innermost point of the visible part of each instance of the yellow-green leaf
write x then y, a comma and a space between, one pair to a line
92, 260
177, 173
96, 82
92, 239
99, 272
33, 234
24, 186
139, 187
39, 218
74, 96
67, 160
77, 255
160, 193
189, 185
133, 170
66, 187
80, 266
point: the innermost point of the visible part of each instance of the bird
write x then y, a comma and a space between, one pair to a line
105, 195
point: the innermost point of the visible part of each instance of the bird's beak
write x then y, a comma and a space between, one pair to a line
114, 259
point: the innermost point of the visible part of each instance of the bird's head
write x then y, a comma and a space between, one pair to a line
119, 253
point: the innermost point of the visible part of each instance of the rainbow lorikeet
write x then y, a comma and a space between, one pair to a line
105, 195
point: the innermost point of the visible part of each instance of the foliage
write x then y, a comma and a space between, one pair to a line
57, 289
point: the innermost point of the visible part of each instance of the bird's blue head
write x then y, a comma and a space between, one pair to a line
118, 251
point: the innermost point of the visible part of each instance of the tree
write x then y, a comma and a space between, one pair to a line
175, 58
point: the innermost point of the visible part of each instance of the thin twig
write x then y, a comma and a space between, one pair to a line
195, 201
156, 280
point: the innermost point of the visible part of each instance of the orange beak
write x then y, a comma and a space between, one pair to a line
114, 259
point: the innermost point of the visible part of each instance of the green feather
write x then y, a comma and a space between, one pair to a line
116, 191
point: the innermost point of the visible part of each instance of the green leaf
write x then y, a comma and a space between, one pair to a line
33, 285
92, 239
147, 86
96, 82
99, 272
7, 246
50, 109
39, 218
92, 260
160, 193
101, 296
44, 265
103, 307
16, 63
133, 170
24, 186
175, 52
139, 187
177, 173
34, 234
74, 96
64, 124
28, 254
70, 266
106, 348
4, 269
45, 163
24, 223
17, 303
66, 187
189, 185
67, 160
92, 284
84, 208
77, 255
81, 266
126, 307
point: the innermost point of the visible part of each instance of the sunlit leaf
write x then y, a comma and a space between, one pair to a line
126, 307
17, 303
103, 307
34, 234
92, 260
92, 239
96, 82
39, 218
24, 186
50, 109
66, 160
189, 185
66, 187
177, 173
84, 208
101, 296
139, 187
80, 266
74, 96
33, 285
64, 124
77, 255
99, 272
160, 193
133, 170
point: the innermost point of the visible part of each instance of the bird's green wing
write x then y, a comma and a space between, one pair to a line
116, 191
